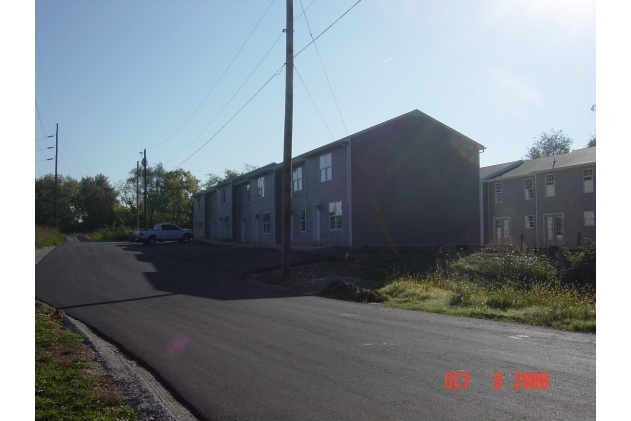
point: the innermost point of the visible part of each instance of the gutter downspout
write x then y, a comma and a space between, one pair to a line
481, 214
536, 212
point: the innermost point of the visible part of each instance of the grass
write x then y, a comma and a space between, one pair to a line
509, 287
47, 236
114, 233
70, 384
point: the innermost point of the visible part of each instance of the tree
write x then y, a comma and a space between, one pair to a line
214, 179
177, 196
95, 203
67, 190
592, 140
549, 144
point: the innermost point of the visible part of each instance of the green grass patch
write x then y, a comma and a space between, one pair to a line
114, 233
47, 236
69, 383
524, 289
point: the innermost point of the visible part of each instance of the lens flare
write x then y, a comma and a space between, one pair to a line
178, 345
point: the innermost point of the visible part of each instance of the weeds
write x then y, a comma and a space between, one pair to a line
508, 285
47, 236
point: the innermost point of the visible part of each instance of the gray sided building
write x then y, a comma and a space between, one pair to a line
410, 181
541, 203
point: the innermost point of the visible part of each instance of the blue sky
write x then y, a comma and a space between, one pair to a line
121, 76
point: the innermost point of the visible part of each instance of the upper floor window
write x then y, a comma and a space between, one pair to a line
528, 189
499, 197
247, 193
199, 203
261, 184
550, 185
223, 195
266, 223
297, 178
335, 215
214, 200
326, 167
588, 180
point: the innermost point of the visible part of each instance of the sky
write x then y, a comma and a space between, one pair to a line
201, 84
121, 76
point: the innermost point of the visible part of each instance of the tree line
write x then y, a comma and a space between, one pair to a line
94, 202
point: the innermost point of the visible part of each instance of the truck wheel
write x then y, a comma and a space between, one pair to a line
186, 238
152, 240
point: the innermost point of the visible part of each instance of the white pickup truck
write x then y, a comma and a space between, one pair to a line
162, 232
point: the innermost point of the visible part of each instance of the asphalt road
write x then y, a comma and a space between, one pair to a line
237, 351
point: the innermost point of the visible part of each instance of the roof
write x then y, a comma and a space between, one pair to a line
337, 143
572, 159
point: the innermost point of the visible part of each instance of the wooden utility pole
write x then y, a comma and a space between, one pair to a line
137, 194
144, 164
289, 108
56, 156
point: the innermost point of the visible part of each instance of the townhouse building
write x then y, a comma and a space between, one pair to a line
409, 181
540, 203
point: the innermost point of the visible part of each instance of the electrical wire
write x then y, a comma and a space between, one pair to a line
329, 27
314, 104
231, 118
219, 80
323, 69
229, 101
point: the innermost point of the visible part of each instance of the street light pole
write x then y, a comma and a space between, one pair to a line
56, 156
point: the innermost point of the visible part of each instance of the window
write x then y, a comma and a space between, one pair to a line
588, 180
528, 189
226, 225
550, 185
297, 177
247, 193
498, 193
223, 195
214, 200
335, 215
326, 167
530, 221
199, 203
266, 223
303, 220
589, 218
261, 187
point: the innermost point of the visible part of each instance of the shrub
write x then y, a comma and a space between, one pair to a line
580, 266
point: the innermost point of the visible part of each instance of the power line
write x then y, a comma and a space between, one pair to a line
219, 80
229, 101
325, 73
231, 118
329, 27
314, 104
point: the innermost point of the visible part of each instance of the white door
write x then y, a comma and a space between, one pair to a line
502, 236
554, 229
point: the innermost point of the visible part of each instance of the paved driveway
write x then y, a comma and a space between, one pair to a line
234, 350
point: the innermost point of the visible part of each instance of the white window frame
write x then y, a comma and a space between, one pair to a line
199, 203
528, 192
335, 216
261, 186
266, 223
223, 195
554, 235
588, 180
530, 221
326, 167
247, 193
499, 195
589, 218
550, 185
297, 178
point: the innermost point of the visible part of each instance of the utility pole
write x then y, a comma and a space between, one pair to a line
137, 194
289, 107
56, 156
144, 163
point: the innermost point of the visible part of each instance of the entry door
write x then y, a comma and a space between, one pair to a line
501, 231
554, 229
256, 230
243, 230
316, 224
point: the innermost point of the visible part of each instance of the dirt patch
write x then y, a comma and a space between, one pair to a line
350, 276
